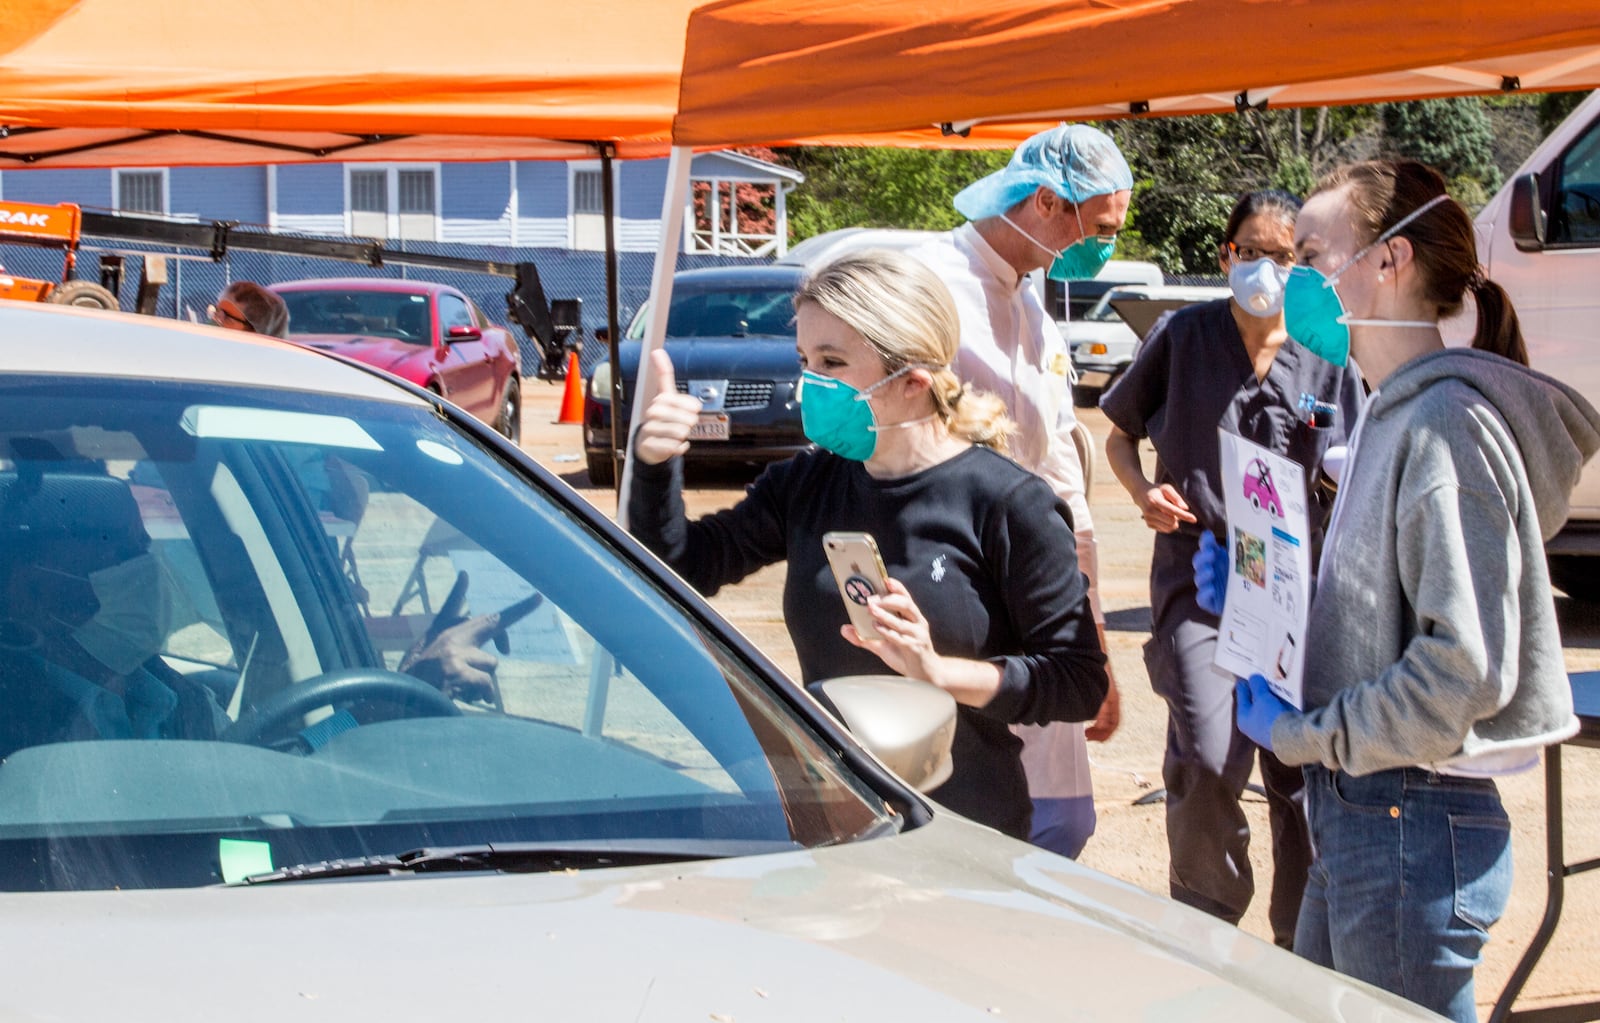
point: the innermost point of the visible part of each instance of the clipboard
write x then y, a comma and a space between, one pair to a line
1140, 314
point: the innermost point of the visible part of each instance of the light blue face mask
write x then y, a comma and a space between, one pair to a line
1315, 316
837, 417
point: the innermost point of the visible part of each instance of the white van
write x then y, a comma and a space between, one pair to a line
1539, 238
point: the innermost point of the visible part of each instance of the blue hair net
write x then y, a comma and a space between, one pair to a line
1076, 161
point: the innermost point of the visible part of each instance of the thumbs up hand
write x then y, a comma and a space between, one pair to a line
664, 430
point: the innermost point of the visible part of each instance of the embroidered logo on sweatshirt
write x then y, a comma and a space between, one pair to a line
938, 569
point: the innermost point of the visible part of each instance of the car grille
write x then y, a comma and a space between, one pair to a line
740, 394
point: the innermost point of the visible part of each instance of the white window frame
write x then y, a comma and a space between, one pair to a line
583, 227
166, 188
391, 173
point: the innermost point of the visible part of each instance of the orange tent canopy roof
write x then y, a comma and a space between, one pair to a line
759, 69
317, 79
92, 83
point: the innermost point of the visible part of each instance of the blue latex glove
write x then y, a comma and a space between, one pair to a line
1211, 574
1257, 708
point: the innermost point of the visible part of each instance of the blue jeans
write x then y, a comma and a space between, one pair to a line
1411, 868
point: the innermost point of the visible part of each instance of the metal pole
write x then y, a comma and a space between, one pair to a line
613, 335
672, 210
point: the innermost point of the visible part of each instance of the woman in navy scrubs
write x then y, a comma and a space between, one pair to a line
1229, 364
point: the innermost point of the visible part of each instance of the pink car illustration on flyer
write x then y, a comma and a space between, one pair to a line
1269, 545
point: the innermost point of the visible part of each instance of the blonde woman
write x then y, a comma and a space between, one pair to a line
985, 596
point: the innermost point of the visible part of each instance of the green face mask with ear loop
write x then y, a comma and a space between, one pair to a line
1081, 260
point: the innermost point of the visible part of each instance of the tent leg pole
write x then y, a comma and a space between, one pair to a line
613, 335
672, 207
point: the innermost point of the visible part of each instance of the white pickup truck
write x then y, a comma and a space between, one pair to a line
1539, 238
1102, 342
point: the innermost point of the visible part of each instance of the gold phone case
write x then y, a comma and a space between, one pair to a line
858, 570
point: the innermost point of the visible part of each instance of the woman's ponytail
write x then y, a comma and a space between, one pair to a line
1498, 331
977, 417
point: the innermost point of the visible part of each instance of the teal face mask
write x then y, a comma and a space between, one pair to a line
1314, 316
1313, 313
1082, 259
837, 417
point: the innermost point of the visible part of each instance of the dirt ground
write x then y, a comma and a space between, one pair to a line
1130, 841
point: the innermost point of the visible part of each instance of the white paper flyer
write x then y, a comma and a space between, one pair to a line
1269, 562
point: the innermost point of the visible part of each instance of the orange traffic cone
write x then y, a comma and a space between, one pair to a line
572, 397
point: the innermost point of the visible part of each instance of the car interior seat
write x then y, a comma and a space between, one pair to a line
65, 524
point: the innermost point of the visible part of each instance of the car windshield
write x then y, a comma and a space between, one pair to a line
391, 314
215, 599
1102, 312
734, 312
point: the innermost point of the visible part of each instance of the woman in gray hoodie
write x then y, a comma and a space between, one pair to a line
1433, 662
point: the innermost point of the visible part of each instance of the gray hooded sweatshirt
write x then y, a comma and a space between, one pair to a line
1432, 636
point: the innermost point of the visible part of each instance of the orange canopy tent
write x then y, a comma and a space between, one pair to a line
97, 82
759, 69
196, 82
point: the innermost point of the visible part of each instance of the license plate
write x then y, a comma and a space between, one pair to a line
712, 426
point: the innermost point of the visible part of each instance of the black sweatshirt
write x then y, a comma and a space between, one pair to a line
987, 552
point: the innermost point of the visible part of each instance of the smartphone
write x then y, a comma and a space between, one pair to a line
858, 569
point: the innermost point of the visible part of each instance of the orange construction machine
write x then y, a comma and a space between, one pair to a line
56, 227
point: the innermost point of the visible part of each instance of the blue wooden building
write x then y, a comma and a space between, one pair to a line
546, 211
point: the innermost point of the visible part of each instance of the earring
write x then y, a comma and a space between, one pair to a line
1380, 278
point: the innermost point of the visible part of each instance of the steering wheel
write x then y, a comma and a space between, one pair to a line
346, 685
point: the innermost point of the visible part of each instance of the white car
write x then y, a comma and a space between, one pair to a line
235, 785
1102, 342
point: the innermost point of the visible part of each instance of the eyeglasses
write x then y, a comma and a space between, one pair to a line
1249, 254
223, 316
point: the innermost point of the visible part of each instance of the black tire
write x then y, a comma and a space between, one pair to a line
509, 422
1577, 577
601, 472
83, 293
1085, 397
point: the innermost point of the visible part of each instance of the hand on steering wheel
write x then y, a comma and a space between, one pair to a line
450, 654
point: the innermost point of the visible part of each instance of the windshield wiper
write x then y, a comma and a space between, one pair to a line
517, 858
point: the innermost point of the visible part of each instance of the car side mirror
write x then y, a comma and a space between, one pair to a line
1525, 217
908, 724
461, 332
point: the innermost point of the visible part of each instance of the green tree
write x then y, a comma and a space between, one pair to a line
1190, 171
1452, 135
874, 187
1555, 106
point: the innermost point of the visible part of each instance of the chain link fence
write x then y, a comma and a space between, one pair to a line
194, 278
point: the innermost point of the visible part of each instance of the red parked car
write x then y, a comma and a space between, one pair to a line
429, 334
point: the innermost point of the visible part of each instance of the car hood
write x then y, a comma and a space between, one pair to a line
383, 352
722, 358
949, 922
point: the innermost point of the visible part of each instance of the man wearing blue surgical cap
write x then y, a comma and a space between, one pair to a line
1055, 207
